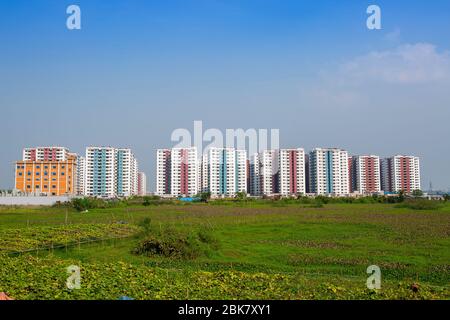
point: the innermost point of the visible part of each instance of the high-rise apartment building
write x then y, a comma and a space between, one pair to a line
352, 174
142, 184
110, 172
400, 173
184, 172
81, 175
255, 178
366, 174
101, 172
265, 175
224, 172
241, 171
127, 173
163, 171
291, 172
328, 171
278, 172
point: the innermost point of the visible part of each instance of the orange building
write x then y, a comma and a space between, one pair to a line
53, 178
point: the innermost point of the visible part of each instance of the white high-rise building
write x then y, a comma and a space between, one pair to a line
101, 172
241, 171
328, 171
291, 172
142, 184
265, 172
127, 173
367, 174
110, 172
224, 172
184, 172
81, 175
278, 172
400, 173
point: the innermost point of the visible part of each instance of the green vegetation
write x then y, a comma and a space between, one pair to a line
171, 243
24, 239
421, 204
231, 248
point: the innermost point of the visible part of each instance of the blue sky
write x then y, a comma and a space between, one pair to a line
137, 70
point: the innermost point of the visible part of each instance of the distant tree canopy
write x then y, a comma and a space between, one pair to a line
417, 193
241, 195
205, 196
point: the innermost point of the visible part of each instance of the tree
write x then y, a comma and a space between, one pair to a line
205, 196
241, 195
447, 197
417, 193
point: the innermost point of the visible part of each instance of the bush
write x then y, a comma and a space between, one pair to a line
154, 201
170, 243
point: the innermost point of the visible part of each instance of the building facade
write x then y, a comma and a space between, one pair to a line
50, 171
127, 173
184, 172
400, 173
101, 172
224, 172
291, 172
81, 175
267, 163
51, 178
255, 179
163, 171
46, 154
328, 171
366, 172
110, 172
142, 184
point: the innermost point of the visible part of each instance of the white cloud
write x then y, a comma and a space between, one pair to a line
407, 64
393, 36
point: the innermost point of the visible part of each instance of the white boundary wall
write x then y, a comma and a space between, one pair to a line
33, 200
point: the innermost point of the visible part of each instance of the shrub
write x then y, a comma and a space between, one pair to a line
170, 243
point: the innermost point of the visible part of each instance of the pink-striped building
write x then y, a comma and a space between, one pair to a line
400, 173
177, 172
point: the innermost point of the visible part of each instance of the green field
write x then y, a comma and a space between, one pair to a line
248, 250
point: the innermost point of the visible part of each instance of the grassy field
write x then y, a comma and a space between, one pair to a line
257, 250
